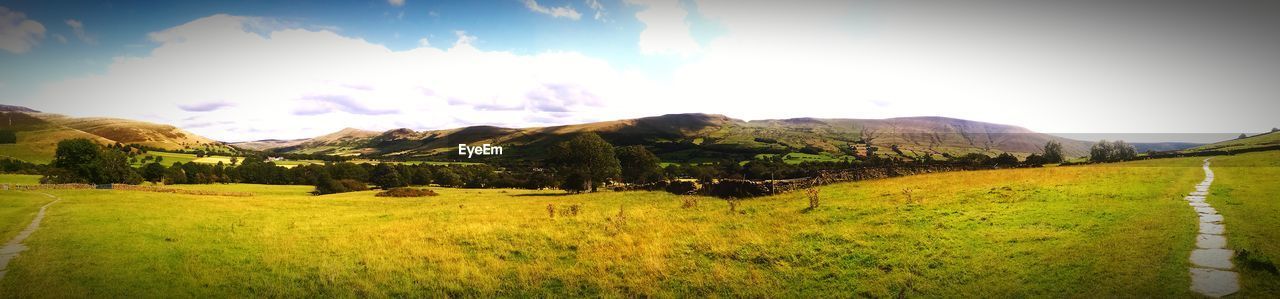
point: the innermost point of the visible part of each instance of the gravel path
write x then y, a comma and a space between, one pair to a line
14, 246
1211, 265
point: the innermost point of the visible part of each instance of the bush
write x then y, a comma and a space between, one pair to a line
406, 192
332, 186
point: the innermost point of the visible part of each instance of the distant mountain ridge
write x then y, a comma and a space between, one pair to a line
694, 137
691, 137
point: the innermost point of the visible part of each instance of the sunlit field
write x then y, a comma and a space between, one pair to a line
1117, 230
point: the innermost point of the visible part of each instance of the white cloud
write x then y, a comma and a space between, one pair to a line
565, 11
17, 33
62, 39
600, 11
78, 28
666, 30
241, 80
463, 39
396, 3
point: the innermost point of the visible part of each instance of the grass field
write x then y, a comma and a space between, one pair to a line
797, 158
24, 179
16, 211
1104, 230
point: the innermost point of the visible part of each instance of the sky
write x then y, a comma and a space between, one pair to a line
250, 70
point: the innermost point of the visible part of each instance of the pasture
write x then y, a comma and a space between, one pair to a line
1118, 230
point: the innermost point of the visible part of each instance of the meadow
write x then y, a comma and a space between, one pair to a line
1116, 230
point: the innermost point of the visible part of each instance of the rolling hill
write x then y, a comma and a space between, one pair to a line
703, 137
38, 133
1269, 139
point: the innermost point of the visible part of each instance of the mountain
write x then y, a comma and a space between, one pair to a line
38, 133
11, 108
345, 137
704, 137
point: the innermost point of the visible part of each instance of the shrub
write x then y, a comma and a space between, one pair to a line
406, 192
571, 211
688, 202
331, 186
812, 194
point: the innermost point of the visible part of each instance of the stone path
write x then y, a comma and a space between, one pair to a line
1211, 266
13, 247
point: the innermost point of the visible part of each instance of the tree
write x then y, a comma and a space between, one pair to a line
1005, 159
8, 137
446, 177
585, 161
113, 168
1106, 151
1100, 152
234, 160
1242, 136
175, 175
1053, 152
386, 177
153, 172
325, 184
1035, 160
639, 165
1124, 151
84, 161
1273, 130
77, 156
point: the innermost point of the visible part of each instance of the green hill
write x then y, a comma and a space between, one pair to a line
38, 134
1255, 141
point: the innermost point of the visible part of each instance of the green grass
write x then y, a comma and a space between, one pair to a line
22, 179
1246, 191
25, 152
16, 211
797, 158
1104, 230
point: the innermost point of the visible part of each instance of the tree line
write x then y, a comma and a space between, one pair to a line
581, 163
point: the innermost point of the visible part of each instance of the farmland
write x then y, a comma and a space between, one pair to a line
1119, 229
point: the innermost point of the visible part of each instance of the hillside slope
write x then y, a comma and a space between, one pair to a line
702, 137
1255, 141
136, 132
37, 138
38, 133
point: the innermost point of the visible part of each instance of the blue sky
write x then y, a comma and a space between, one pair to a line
120, 28
243, 70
